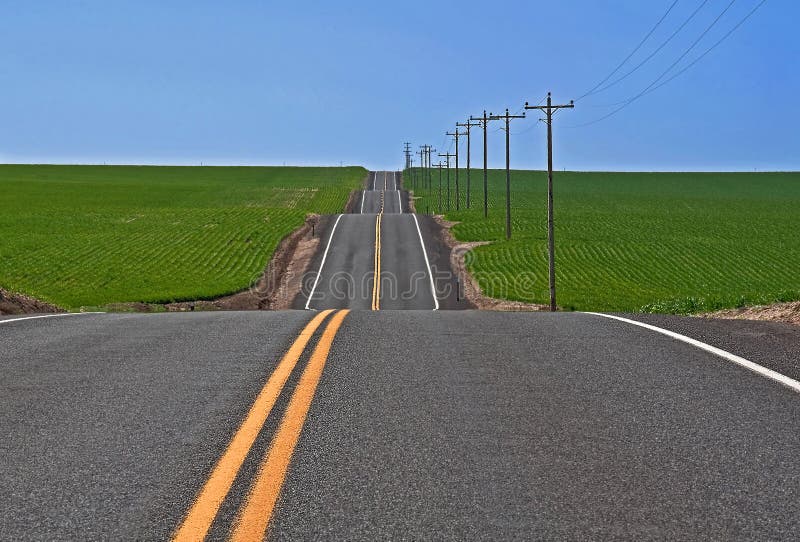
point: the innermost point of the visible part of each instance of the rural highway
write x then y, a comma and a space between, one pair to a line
382, 257
354, 422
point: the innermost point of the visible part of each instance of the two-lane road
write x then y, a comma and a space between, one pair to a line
382, 257
383, 194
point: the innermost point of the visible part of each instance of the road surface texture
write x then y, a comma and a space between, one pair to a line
424, 424
344, 424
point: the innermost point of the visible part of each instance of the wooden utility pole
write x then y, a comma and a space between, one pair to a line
440, 165
484, 122
507, 117
430, 169
420, 176
551, 244
407, 152
468, 125
456, 134
447, 156
427, 150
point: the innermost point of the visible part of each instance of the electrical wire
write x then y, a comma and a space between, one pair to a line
635, 50
654, 53
651, 86
699, 58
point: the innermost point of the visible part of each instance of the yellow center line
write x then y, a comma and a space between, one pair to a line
205, 507
376, 277
257, 511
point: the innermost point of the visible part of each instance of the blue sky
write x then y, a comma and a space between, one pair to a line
322, 83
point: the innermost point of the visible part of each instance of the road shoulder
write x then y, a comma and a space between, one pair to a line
773, 345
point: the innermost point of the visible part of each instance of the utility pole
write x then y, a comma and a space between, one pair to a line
421, 176
456, 134
426, 149
551, 244
468, 125
507, 118
407, 152
440, 165
484, 122
425, 159
425, 162
430, 168
447, 156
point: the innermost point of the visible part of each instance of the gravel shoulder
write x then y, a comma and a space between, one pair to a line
779, 312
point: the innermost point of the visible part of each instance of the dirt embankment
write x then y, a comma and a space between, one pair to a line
778, 312
351, 201
472, 290
11, 303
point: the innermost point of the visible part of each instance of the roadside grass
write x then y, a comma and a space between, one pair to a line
650, 242
93, 235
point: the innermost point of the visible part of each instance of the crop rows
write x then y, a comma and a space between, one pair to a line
667, 242
89, 236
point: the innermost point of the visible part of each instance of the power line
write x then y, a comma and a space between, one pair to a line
635, 50
654, 53
651, 86
696, 60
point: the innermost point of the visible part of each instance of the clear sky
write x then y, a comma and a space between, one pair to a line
300, 82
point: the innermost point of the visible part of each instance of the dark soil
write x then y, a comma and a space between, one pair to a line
11, 303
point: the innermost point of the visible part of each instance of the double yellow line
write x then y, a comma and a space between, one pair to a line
255, 513
376, 276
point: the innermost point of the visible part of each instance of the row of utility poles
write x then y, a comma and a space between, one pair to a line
422, 178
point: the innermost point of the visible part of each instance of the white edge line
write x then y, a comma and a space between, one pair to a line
363, 197
747, 364
321, 265
399, 202
394, 176
430, 273
47, 316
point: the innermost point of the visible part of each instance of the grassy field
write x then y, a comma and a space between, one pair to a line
91, 235
653, 242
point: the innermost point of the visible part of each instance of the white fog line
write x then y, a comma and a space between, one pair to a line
747, 364
47, 316
430, 273
321, 265
363, 197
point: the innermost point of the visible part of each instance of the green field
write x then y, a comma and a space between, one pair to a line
92, 235
653, 242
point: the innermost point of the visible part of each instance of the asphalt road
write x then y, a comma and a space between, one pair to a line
414, 264
423, 425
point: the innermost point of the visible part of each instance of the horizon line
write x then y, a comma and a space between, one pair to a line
267, 165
